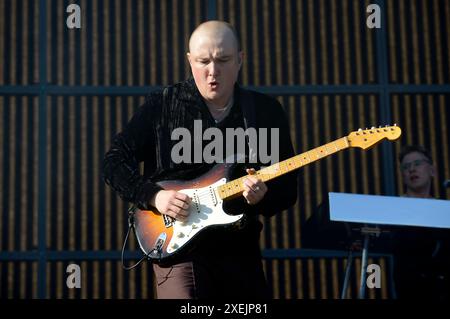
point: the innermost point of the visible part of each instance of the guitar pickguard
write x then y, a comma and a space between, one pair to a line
205, 211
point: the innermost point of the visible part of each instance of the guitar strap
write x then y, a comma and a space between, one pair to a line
249, 113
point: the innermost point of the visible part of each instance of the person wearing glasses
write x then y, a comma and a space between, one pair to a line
417, 170
421, 255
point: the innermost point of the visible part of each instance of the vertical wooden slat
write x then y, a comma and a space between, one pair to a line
60, 43
120, 215
175, 40
323, 279
334, 267
96, 280
107, 131
335, 43
306, 171
312, 42
358, 68
447, 28
287, 279
316, 142
339, 129
118, 41
256, 58
13, 45
404, 46
24, 232
153, 47
376, 152
108, 281
437, 41
276, 279
129, 47
300, 284
267, 51
289, 24
95, 172
323, 42
187, 32
72, 179
145, 283
84, 280
50, 200
426, 45
2, 155
164, 47
83, 58
84, 177
311, 279
415, 42
60, 282
328, 138
35, 78
119, 280
107, 63
12, 168
71, 47
50, 38
25, 39
243, 42
278, 51
346, 43
2, 41
370, 53
364, 155
60, 186
142, 38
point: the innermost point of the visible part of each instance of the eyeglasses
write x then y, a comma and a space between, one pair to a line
416, 163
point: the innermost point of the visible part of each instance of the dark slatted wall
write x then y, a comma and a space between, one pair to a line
64, 93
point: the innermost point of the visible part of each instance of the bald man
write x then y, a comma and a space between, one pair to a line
223, 263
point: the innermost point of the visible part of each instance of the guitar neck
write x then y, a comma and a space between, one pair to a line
235, 188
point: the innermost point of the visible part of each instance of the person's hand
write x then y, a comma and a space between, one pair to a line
254, 188
172, 203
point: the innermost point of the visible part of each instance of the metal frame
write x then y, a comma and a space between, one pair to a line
42, 255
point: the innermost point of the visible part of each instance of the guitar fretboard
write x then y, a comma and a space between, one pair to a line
235, 187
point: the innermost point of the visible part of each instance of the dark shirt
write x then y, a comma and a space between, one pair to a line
147, 138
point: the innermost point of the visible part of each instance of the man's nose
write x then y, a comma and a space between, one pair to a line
213, 69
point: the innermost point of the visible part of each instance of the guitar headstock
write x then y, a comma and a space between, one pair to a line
369, 137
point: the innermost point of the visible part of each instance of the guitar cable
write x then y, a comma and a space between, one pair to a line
130, 226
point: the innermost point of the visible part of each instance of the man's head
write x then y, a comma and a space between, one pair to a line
417, 169
215, 59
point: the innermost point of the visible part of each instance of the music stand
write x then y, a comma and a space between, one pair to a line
373, 211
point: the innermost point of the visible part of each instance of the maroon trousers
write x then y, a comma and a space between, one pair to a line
207, 277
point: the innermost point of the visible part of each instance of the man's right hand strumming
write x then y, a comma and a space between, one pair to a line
172, 203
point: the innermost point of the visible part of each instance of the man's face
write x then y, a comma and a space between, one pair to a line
417, 171
215, 65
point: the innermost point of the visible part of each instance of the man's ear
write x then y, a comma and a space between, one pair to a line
188, 55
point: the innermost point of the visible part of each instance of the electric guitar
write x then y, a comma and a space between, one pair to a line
162, 238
